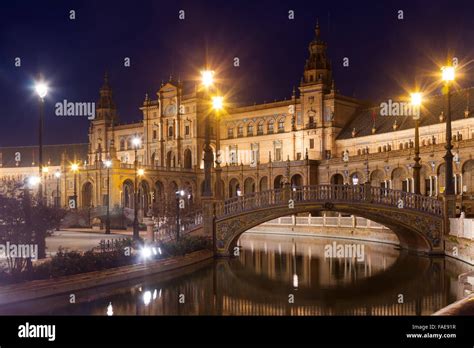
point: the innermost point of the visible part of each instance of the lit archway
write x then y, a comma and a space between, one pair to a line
249, 185
87, 195
278, 182
264, 183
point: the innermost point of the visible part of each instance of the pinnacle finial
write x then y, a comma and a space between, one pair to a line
317, 30
106, 78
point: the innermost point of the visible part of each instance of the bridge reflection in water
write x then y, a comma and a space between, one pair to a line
267, 272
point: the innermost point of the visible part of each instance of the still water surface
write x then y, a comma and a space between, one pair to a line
279, 275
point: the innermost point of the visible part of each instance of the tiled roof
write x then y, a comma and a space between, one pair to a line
51, 154
430, 114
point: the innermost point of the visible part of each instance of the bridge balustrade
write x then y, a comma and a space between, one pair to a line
330, 193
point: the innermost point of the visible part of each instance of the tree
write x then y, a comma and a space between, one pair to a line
24, 222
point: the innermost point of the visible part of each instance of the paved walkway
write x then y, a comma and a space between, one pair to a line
80, 239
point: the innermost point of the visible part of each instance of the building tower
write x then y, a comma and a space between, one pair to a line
106, 114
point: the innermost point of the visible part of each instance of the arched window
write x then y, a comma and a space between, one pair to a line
270, 127
240, 131
230, 132
260, 128
170, 131
281, 125
250, 129
122, 144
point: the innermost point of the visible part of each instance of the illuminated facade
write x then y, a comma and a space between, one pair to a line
315, 136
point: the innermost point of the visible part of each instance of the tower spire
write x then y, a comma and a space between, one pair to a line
317, 30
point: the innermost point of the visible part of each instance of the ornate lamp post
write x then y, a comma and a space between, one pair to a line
108, 164
75, 169
57, 175
41, 89
217, 106
416, 99
207, 77
179, 195
367, 171
448, 75
136, 234
45, 171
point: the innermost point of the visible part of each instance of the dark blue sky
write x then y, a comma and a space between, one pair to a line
385, 53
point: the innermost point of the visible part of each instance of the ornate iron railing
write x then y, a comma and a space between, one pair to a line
166, 227
330, 194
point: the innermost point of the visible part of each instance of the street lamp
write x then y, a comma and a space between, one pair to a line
367, 171
108, 164
355, 180
136, 233
448, 75
179, 194
416, 99
41, 89
207, 80
75, 169
45, 171
57, 175
217, 106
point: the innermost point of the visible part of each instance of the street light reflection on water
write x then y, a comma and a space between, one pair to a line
270, 270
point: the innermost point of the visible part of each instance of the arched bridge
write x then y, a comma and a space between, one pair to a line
417, 220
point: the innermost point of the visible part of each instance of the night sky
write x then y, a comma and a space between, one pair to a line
385, 54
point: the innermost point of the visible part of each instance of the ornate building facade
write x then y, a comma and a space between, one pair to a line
316, 136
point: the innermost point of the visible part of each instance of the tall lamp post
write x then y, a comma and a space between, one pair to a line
179, 195
217, 106
136, 233
207, 81
75, 169
57, 175
41, 89
416, 99
367, 171
448, 75
108, 164
45, 187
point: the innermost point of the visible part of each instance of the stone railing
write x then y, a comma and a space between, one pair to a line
331, 194
326, 221
461, 227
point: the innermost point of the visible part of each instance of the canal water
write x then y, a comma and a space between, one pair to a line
278, 275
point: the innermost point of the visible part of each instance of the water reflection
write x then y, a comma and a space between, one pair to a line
279, 275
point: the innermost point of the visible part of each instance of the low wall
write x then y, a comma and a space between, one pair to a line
333, 227
49, 287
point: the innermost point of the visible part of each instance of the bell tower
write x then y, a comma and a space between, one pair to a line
106, 113
317, 99
317, 69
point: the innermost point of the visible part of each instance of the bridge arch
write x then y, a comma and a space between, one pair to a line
418, 225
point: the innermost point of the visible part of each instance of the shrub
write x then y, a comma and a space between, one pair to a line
186, 245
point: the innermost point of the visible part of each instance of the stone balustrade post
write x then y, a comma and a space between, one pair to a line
150, 235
